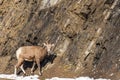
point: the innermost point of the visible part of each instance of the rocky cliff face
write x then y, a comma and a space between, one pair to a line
86, 34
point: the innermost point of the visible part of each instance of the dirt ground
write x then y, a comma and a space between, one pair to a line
55, 69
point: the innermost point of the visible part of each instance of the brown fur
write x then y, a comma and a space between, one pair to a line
27, 53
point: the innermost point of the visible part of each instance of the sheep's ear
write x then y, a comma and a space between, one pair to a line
44, 44
53, 44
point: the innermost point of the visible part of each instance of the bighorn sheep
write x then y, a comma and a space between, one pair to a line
31, 53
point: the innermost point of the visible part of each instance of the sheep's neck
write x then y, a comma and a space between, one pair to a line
45, 48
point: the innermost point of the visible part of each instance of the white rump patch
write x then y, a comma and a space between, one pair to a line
18, 52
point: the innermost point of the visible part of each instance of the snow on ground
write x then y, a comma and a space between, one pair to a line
12, 76
36, 77
80, 78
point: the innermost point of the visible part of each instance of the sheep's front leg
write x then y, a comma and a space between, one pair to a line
33, 67
38, 64
22, 69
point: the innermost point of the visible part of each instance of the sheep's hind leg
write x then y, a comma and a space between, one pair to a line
15, 71
20, 61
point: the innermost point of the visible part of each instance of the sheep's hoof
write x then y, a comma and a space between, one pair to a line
32, 73
25, 74
40, 74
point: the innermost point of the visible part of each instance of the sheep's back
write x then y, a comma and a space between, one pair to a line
29, 52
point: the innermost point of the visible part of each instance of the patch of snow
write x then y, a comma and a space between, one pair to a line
80, 78
15, 77
56, 78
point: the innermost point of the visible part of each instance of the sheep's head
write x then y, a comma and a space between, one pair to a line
48, 46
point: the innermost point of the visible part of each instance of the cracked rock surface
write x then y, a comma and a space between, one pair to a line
86, 34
